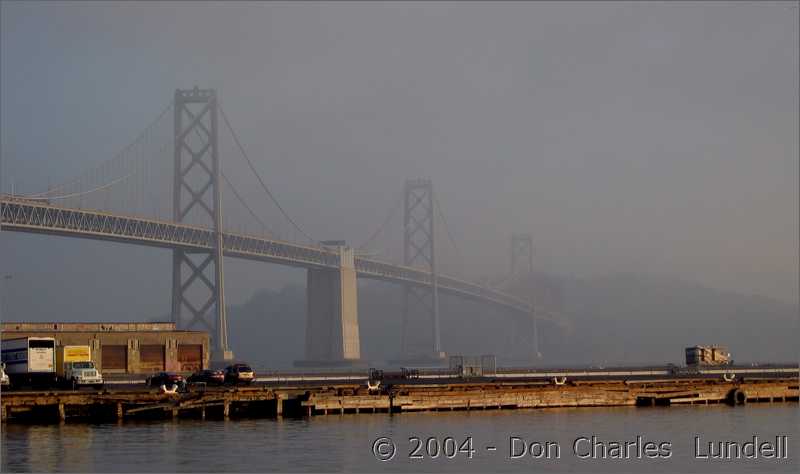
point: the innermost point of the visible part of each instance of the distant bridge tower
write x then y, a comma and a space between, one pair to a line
521, 254
196, 197
419, 250
522, 268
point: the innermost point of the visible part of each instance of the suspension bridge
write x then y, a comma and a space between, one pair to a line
165, 190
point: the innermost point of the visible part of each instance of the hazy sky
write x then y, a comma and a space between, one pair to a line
626, 137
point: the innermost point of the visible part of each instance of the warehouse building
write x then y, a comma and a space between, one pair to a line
125, 348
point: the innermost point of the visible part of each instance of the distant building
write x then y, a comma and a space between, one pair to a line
125, 348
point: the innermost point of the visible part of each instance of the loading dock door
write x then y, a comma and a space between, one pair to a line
114, 357
151, 358
190, 357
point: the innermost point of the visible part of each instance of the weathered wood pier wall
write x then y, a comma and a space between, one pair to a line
437, 397
307, 400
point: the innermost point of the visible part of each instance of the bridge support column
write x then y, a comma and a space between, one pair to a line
197, 276
332, 335
419, 250
522, 263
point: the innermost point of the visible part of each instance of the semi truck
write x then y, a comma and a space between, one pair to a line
75, 368
707, 355
30, 360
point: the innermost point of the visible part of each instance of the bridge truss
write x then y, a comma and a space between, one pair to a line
198, 241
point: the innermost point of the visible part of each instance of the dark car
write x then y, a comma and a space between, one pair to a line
165, 378
211, 377
239, 373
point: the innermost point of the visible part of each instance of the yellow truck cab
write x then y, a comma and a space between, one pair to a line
74, 367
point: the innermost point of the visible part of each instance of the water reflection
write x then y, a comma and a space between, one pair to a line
343, 442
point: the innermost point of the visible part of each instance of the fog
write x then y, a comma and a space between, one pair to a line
652, 139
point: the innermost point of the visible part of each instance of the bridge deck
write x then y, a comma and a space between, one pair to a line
22, 215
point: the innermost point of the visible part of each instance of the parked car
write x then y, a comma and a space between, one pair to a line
211, 377
239, 373
165, 378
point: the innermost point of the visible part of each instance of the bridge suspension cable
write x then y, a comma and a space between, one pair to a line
250, 210
383, 225
449, 234
260, 180
120, 156
81, 193
239, 197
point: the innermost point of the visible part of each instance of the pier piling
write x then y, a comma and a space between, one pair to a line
311, 399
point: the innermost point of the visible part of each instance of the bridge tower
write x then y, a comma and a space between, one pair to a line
419, 250
521, 254
522, 267
197, 276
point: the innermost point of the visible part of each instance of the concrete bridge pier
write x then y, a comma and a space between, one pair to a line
332, 335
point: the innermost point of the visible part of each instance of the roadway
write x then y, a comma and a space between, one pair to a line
501, 377
20, 215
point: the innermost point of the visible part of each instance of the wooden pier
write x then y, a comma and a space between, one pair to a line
320, 399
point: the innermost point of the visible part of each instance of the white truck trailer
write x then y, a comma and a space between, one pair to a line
30, 360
